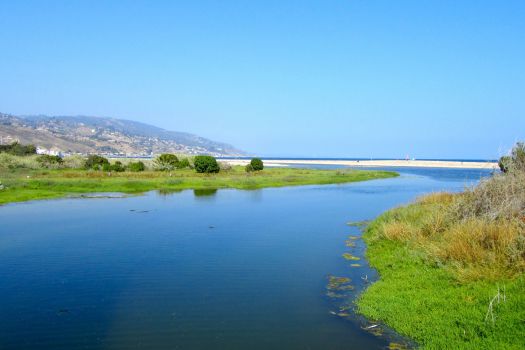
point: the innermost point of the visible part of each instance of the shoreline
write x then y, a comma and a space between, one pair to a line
445, 305
373, 163
28, 184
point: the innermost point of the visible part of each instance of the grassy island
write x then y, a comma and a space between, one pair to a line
22, 183
452, 267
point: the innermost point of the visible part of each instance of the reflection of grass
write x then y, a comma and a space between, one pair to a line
441, 263
26, 184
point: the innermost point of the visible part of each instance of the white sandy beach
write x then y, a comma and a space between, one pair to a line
375, 163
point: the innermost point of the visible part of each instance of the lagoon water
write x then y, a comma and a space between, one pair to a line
224, 269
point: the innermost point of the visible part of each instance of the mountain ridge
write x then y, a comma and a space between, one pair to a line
105, 135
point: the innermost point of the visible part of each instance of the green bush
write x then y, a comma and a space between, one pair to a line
257, 164
117, 167
96, 162
206, 164
166, 162
516, 160
183, 163
504, 163
248, 168
18, 149
136, 166
48, 161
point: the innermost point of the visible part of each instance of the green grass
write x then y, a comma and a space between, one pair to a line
423, 298
25, 184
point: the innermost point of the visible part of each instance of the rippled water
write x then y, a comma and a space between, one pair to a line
223, 269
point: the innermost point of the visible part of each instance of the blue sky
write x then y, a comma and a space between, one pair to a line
432, 79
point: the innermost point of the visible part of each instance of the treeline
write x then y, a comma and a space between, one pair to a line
25, 157
18, 149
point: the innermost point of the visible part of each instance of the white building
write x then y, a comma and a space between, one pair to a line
50, 152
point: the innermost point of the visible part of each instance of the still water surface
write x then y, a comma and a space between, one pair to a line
193, 270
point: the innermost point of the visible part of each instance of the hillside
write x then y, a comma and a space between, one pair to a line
81, 134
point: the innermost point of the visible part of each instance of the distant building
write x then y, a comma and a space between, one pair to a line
50, 152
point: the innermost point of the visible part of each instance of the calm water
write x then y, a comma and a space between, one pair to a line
222, 270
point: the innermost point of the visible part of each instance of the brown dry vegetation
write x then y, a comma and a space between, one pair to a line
452, 265
478, 234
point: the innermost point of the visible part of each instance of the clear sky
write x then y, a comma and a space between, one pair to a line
431, 79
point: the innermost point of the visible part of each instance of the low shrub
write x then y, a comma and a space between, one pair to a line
248, 168
505, 163
206, 164
515, 161
48, 161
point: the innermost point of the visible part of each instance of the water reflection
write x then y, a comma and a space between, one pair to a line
168, 191
205, 192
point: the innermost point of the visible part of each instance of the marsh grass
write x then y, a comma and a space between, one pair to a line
442, 259
25, 183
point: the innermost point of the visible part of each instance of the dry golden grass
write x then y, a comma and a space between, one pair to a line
398, 231
478, 243
479, 234
436, 198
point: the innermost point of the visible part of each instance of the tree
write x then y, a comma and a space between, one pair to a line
257, 164
136, 166
206, 164
18, 149
96, 162
166, 161
183, 163
117, 167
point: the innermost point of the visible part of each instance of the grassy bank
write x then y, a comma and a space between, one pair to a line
28, 184
452, 268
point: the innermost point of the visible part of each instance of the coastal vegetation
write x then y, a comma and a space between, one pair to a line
452, 265
96, 162
166, 162
256, 164
136, 166
24, 178
515, 161
18, 149
206, 164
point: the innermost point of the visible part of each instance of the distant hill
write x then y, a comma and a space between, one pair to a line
110, 136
